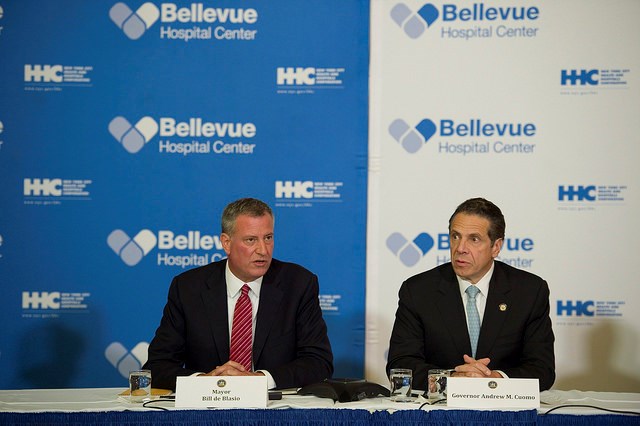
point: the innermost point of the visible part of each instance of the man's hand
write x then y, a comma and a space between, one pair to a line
231, 368
475, 368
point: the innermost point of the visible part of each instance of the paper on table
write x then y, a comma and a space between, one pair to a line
154, 392
558, 397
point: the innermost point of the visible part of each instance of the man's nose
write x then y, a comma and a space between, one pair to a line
462, 246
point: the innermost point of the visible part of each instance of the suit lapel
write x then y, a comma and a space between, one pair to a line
270, 299
495, 311
452, 311
214, 298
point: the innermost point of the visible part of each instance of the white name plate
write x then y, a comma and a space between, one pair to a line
471, 392
222, 391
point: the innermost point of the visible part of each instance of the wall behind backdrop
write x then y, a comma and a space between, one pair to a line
126, 127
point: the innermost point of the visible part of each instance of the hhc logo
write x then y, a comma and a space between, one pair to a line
134, 24
581, 193
131, 251
124, 360
133, 138
297, 189
582, 77
40, 300
578, 309
43, 187
43, 73
296, 76
412, 139
409, 252
414, 24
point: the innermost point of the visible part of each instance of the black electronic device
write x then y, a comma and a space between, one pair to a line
344, 390
275, 395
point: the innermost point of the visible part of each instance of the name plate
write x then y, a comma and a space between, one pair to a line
222, 392
471, 392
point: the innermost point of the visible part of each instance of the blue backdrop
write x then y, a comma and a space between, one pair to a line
125, 128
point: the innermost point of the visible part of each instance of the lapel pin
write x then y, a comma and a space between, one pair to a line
503, 307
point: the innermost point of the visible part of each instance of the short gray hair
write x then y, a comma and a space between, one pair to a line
244, 206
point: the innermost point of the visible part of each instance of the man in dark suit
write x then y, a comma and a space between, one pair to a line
431, 328
289, 337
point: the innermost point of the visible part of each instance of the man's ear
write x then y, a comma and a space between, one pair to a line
497, 246
225, 239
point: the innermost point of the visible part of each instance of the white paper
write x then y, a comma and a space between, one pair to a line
222, 391
467, 392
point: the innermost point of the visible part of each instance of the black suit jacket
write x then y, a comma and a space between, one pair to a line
290, 342
430, 330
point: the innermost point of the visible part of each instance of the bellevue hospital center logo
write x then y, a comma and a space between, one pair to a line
410, 252
414, 23
479, 20
194, 136
133, 138
412, 138
467, 136
131, 250
124, 360
134, 24
185, 250
186, 23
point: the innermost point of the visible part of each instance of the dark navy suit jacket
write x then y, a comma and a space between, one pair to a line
430, 329
290, 341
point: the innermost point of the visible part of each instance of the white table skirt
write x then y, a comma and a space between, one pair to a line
108, 399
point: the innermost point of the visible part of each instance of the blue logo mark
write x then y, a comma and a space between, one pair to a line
581, 77
579, 308
579, 193
412, 139
409, 252
414, 24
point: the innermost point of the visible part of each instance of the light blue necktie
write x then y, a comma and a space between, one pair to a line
473, 317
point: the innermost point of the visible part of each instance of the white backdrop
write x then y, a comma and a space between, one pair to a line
561, 78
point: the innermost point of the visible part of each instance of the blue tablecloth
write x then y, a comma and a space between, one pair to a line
315, 417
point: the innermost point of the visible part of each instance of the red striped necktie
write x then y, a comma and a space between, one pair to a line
241, 340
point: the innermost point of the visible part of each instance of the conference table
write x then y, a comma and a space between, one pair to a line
107, 406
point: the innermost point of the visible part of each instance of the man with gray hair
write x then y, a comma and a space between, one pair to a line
474, 315
248, 314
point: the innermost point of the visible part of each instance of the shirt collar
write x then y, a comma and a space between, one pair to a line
234, 284
482, 285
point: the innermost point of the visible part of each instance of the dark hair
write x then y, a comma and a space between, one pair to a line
244, 206
486, 209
